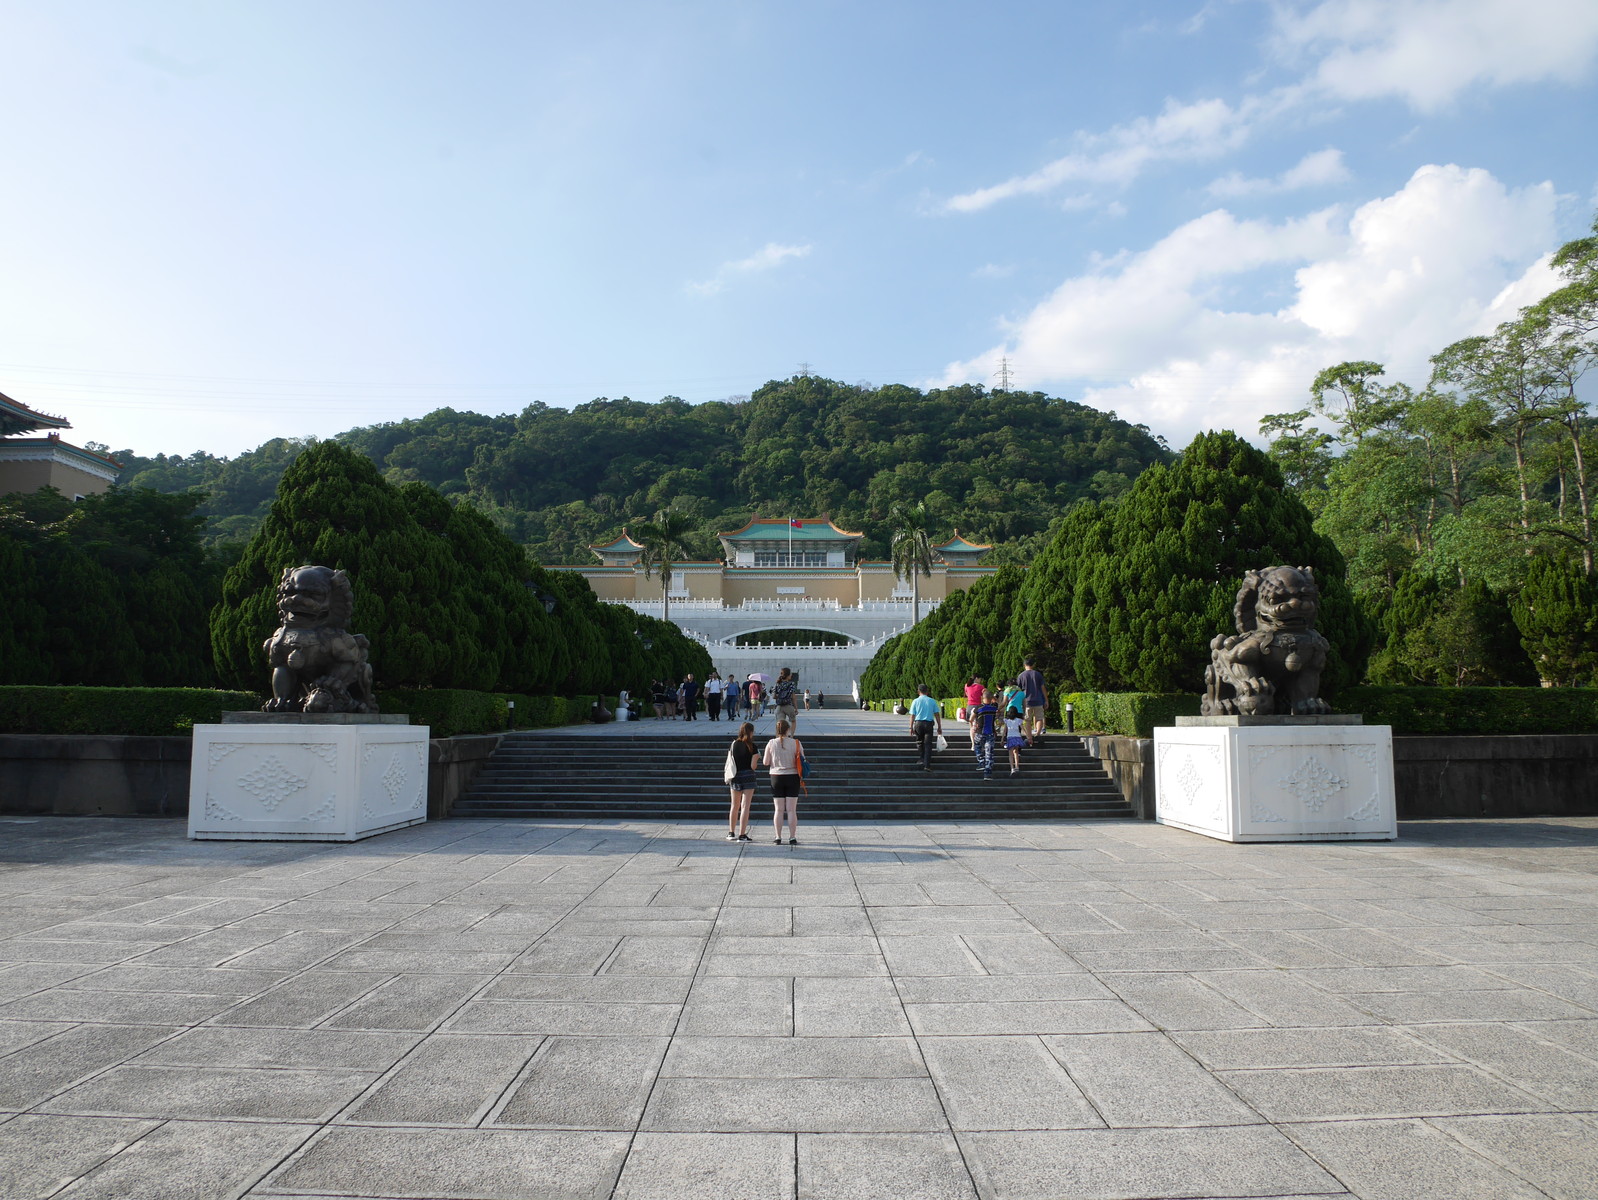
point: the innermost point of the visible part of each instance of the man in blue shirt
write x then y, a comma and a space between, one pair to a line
926, 723
1030, 681
984, 729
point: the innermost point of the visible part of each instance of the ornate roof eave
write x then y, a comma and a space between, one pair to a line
14, 412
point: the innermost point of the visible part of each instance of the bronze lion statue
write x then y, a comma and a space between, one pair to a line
1273, 664
318, 666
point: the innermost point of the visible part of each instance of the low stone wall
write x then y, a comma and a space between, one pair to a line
81, 775
451, 763
1527, 775
84, 775
1129, 762
1516, 775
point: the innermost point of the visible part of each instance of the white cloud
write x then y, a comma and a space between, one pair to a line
1448, 255
1428, 51
1425, 52
768, 257
1317, 169
1204, 129
994, 271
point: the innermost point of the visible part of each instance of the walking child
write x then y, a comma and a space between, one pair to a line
1013, 739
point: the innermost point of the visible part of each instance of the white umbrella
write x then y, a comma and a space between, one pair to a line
760, 676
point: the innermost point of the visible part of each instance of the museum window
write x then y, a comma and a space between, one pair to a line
766, 558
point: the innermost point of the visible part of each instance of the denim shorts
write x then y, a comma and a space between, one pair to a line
744, 781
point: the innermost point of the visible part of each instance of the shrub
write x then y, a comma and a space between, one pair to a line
1131, 714
449, 712
154, 712
1476, 712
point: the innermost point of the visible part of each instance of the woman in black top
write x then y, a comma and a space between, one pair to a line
742, 783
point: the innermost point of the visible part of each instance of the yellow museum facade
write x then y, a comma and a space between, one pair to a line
772, 561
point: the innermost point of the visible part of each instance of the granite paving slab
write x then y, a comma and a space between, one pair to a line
486, 1009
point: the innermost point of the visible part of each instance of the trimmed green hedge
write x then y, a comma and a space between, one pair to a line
1411, 711
1131, 714
448, 712
157, 712
1474, 711
451, 712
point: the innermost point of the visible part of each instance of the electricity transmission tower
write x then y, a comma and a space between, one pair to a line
1003, 374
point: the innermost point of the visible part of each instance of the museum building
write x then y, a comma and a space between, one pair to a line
30, 463
772, 559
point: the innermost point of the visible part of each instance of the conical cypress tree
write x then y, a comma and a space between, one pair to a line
333, 509
1557, 615
24, 620
90, 641
1179, 542
1041, 625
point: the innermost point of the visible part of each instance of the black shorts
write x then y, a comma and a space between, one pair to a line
783, 786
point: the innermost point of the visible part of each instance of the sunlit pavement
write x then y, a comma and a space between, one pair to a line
515, 1009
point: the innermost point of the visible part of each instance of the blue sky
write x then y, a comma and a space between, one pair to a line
227, 222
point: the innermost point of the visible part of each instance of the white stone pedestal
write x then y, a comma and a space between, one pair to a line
287, 782
1244, 779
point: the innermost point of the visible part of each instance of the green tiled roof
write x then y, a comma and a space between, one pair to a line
960, 545
767, 529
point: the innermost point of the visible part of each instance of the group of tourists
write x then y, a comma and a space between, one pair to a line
730, 696
1013, 709
783, 758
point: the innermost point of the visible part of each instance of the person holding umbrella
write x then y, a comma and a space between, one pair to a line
757, 693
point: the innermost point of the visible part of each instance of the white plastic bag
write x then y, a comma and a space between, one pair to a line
943, 742
959, 714
729, 770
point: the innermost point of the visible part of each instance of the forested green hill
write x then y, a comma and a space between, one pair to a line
999, 465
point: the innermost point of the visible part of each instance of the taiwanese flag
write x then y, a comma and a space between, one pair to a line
795, 523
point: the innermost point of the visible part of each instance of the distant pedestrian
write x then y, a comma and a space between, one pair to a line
690, 697
713, 688
657, 697
757, 698
742, 783
984, 731
730, 698
783, 693
807, 699
926, 723
821, 699
784, 757
1036, 702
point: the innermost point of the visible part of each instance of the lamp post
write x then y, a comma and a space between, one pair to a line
1070, 717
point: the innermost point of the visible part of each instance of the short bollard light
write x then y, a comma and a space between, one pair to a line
510, 714
1070, 718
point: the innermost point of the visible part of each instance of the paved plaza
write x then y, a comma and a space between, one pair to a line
521, 1009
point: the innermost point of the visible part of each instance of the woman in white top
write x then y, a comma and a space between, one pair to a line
784, 757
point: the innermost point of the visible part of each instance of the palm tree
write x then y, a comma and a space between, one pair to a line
663, 546
912, 549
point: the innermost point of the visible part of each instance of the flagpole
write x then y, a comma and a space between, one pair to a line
790, 539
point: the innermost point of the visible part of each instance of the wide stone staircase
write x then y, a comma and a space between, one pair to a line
856, 777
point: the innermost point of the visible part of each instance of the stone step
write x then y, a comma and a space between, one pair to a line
873, 776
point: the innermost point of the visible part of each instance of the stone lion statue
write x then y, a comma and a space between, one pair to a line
318, 666
1274, 662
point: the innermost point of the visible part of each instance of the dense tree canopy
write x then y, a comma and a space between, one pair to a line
1467, 499
446, 598
111, 590
1129, 593
1000, 465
